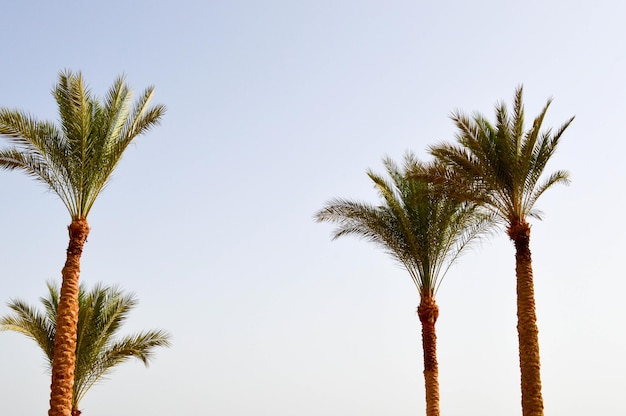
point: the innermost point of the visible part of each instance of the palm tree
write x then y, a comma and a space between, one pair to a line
75, 160
424, 230
500, 167
102, 311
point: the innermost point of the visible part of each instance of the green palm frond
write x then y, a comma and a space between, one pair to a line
102, 311
140, 346
76, 159
421, 227
33, 324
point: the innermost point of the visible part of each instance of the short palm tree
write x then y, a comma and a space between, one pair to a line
500, 166
424, 230
102, 311
75, 160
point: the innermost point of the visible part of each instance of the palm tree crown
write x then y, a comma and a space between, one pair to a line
102, 312
502, 164
421, 228
76, 158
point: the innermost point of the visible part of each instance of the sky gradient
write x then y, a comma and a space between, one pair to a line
274, 108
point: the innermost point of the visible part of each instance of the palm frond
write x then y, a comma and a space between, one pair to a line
31, 323
558, 177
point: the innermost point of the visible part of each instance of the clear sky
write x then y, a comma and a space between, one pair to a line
274, 107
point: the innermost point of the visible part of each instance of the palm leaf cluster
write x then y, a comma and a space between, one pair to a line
75, 159
423, 229
102, 312
501, 164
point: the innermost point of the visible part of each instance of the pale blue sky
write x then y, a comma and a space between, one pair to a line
274, 108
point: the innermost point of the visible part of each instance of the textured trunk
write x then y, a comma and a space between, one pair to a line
64, 360
428, 313
528, 334
76, 412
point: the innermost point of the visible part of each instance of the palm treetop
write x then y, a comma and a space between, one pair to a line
423, 229
75, 158
501, 165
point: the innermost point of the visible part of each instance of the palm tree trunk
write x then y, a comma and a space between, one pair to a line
528, 333
428, 313
67, 318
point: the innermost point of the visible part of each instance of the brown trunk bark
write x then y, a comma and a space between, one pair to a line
428, 313
64, 360
528, 333
76, 412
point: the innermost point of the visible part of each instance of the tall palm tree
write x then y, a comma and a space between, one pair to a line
421, 228
75, 160
500, 166
102, 311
